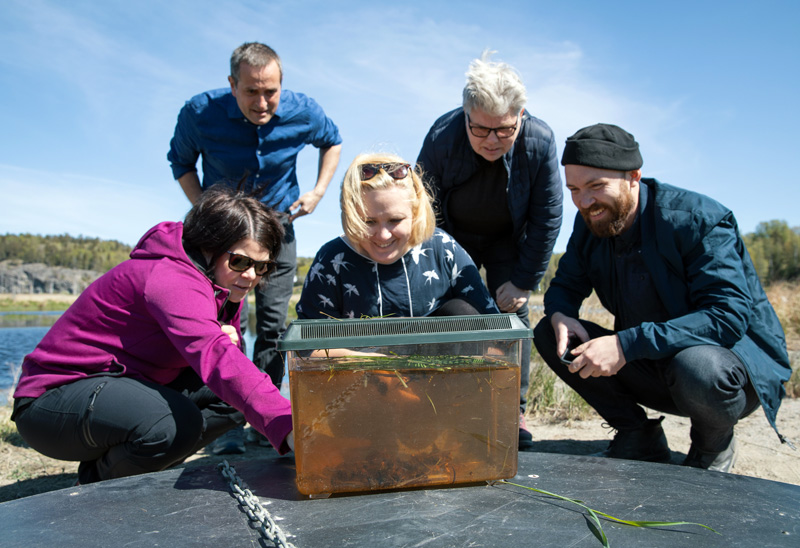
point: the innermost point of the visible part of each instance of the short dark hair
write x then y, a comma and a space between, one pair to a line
254, 54
223, 216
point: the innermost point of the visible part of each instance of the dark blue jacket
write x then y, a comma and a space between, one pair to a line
534, 185
704, 278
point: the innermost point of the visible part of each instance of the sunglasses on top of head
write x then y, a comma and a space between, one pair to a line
242, 263
395, 171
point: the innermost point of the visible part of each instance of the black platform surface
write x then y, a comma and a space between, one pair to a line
194, 507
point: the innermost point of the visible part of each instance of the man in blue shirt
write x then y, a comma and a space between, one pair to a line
248, 137
694, 334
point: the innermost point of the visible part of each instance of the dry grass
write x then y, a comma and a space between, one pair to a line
35, 302
785, 299
549, 398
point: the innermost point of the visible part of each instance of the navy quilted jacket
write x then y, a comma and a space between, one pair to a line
704, 278
534, 185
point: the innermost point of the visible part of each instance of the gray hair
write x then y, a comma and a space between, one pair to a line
495, 88
254, 54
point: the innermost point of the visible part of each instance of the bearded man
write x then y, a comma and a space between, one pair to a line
694, 334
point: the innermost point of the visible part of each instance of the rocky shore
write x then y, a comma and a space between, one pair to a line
21, 278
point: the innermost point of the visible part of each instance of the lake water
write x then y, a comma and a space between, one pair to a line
20, 332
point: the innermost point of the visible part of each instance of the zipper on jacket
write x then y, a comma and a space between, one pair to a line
221, 311
88, 415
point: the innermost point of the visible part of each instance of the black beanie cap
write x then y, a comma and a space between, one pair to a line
604, 146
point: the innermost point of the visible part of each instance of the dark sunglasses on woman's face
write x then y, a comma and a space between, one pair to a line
242, 263
395, 171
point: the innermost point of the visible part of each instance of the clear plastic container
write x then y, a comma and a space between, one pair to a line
436, 401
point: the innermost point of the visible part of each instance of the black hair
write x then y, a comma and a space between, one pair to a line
223, 216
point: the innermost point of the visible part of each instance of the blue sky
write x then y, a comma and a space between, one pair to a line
90, 91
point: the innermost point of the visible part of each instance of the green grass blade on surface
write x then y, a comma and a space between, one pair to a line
595, 520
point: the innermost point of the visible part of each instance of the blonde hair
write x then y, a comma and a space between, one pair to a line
423, 220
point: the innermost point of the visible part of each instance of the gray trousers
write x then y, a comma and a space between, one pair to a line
272, 307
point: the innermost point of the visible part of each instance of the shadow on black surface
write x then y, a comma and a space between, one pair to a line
584, 448
569, 447
274, 476
35, 486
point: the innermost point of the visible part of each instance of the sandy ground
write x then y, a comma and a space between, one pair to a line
761, 454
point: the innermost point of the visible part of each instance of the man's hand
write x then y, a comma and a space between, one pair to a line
600, 357
510, 298
565, 328
328, 160
232, 333
307, 203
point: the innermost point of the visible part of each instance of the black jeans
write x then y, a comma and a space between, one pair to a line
708, 384
118, 426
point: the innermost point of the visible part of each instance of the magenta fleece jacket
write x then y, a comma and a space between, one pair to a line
148, 319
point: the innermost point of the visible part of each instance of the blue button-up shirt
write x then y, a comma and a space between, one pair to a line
211, 125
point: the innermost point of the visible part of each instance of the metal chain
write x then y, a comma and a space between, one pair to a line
253, 508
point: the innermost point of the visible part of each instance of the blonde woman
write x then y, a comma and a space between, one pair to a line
391, 259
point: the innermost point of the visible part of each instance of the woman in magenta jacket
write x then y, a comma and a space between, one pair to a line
146, 367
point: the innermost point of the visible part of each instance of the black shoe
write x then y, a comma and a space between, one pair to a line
719, 462
525, 436
229, 443
647, 443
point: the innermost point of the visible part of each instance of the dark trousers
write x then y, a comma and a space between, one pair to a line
498, 260
118, 426
272, 307
708, 384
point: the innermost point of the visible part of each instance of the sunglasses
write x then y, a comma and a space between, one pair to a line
395, 171
242, 263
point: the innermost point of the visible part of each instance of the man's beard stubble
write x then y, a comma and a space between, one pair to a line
619, 214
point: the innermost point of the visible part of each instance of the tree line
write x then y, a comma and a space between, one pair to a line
774, 247
63, 250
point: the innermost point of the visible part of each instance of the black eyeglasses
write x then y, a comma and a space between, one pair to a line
483, 132
395, 171
242, 263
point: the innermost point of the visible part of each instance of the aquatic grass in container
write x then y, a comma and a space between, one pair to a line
413, 402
